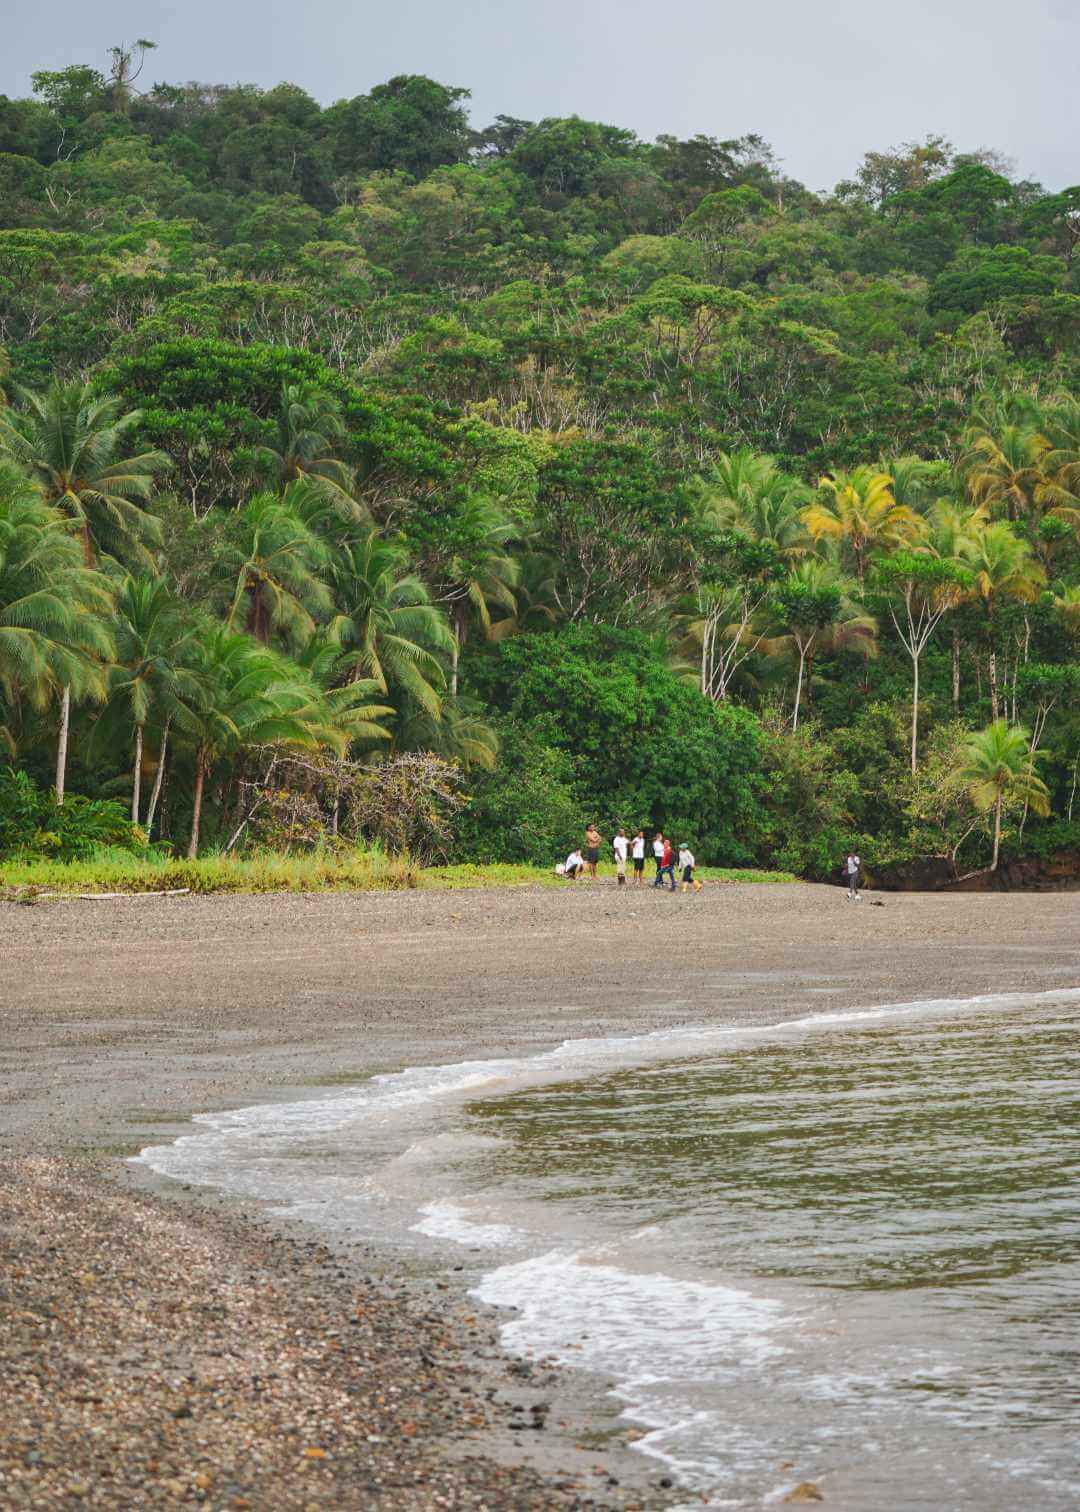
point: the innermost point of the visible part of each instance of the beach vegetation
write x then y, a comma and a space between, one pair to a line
374, 480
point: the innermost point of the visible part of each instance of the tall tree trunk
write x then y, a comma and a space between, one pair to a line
1013, 696
798, 690
258, 616
997, 831
914, 715
196, 808
159, 777
992, 674
62, 745
459, 624
136, 776
956, 667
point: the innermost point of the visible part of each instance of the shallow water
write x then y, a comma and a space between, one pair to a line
900, 1195
844, 1249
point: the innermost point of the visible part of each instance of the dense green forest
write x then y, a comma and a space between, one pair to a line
365, 475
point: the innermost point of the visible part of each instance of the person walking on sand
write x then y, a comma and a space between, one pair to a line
593, 841
851, 870
638, 853
686, 867
620, 845
667, 865
658, 857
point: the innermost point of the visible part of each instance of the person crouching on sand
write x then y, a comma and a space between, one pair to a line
574, 866
620, 845
686, 867
638, 854
593, 841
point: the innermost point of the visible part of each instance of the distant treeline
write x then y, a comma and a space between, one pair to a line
368, 476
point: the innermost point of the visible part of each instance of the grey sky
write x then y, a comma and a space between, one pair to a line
822, 82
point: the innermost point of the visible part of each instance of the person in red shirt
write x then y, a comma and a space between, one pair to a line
667, 865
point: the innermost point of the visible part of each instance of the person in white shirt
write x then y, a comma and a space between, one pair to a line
620, 845
851, 868
638, 853
658, 855
686, 866
575, 865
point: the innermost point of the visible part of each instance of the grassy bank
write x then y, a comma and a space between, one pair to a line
120, 872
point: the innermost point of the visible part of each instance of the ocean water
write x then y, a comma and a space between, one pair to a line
844, 1248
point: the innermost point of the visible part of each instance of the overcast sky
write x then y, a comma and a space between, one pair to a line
822, 82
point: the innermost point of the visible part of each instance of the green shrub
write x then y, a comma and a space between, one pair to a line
32, 823
647, 748
525, 810
809, 801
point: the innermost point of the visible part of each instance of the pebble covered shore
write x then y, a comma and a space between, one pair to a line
122, 1312
153, 1355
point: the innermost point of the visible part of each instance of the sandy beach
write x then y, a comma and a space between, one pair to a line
140, 1334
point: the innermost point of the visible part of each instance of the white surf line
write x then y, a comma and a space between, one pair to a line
211, 1156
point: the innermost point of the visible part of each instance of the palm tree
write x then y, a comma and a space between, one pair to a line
1062, 428
916, 482
54, 632
816, 607
344, 705
72, 443
949, 526
478, 574
461, 734
248, 695
999, 764
747, 493
1024, 461
150, 681
1002, 464
278, 564
309, 430
1058, 491
860, 514
1002, 567
1067, 604
534, 597
388, 627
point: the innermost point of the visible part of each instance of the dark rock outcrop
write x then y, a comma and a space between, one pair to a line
1057, 873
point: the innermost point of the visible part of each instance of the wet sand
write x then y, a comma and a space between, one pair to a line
122, 1018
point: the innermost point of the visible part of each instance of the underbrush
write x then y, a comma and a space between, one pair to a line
110, 870
260, 872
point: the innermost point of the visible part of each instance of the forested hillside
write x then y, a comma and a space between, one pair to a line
357, 462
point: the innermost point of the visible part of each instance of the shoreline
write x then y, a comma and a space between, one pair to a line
121, 1027
262, 1366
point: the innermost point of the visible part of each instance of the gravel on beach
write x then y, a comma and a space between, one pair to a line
155, 1352
154, 1355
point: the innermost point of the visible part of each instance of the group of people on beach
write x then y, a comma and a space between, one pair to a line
582, 862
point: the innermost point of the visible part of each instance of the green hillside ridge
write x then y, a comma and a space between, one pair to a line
374, 485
